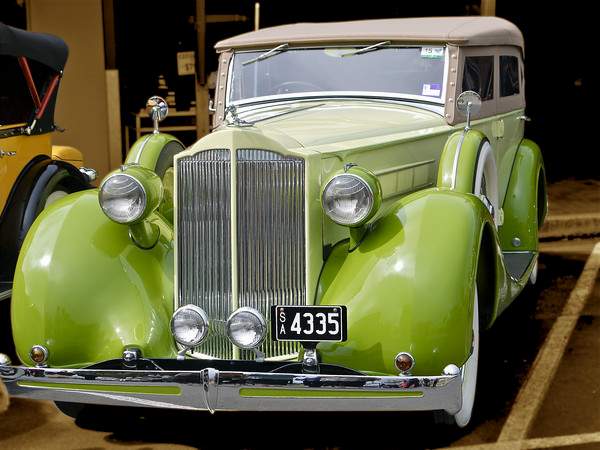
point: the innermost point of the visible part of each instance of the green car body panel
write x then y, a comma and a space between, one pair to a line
86, 291
399, 291
83, 290
525, 205
407, 286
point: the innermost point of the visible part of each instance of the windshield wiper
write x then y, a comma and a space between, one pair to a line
370, 48
272, 52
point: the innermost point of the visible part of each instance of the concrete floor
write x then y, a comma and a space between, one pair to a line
508, 350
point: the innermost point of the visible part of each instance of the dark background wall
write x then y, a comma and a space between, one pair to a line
560, 55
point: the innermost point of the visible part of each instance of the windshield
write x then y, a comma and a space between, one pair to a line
404, 72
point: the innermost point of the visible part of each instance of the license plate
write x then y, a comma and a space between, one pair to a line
308, 323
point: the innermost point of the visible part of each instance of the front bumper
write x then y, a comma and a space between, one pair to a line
212, 389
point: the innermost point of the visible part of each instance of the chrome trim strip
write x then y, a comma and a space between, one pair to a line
139, 155
244, 110
5, 294
456, 156
212, 390
321, 94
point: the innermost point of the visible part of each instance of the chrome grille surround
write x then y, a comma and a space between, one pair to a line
267, 265
204, 242
270, 237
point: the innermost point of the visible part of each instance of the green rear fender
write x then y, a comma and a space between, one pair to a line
85, 291
408, 287
525, 203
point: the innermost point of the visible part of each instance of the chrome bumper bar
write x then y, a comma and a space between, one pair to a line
212, 390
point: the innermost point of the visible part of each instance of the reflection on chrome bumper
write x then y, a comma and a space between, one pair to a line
211, 389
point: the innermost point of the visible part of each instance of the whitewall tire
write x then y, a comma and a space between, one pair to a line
469, 374
534, 274
55, 196
486, 182
469, 380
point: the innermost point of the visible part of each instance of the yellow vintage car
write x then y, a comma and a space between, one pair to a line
33, 172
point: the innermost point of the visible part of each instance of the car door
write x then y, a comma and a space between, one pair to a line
510, 106
478, 74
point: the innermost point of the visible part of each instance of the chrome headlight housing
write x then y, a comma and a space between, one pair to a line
130, 194
189, 325
351, 198
122, 198
246, 328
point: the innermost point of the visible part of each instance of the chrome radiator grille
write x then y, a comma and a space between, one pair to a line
270, 243
270, 235
204, 241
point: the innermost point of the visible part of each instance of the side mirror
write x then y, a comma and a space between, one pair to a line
157, 109
468, 103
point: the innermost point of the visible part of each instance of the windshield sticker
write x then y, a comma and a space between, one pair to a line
432, 90
432, 53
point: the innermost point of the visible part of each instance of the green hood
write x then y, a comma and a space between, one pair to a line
320, 124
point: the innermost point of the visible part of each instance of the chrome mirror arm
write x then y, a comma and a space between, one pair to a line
157, 110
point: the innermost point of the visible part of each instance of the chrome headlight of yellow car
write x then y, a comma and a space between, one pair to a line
352, 198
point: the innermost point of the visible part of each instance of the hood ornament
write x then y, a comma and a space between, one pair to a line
232, 118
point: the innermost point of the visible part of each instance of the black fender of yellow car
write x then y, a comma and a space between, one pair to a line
40, 177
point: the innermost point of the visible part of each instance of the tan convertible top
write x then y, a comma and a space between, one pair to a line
470, 30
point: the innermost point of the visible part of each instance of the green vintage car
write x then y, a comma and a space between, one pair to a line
364, 206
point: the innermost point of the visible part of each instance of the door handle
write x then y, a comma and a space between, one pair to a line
524, 118
498, 129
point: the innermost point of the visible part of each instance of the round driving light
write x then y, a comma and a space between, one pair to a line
246, 328
38, 354
189, 325
5, 360
122, 198
404, 362
348, 199
451, 369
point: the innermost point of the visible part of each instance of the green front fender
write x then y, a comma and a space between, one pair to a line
85, 291
408, 287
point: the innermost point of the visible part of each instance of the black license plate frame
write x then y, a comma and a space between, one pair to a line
281, 325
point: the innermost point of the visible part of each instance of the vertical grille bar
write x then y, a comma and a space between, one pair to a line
204, 242
271, 242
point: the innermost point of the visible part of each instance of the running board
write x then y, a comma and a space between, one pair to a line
517, 263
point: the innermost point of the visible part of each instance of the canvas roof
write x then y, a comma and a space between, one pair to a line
45, 48
468, 30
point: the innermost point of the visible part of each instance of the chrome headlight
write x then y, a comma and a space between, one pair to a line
246, 328
351, 199
130, 194
189, 325
122, 198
